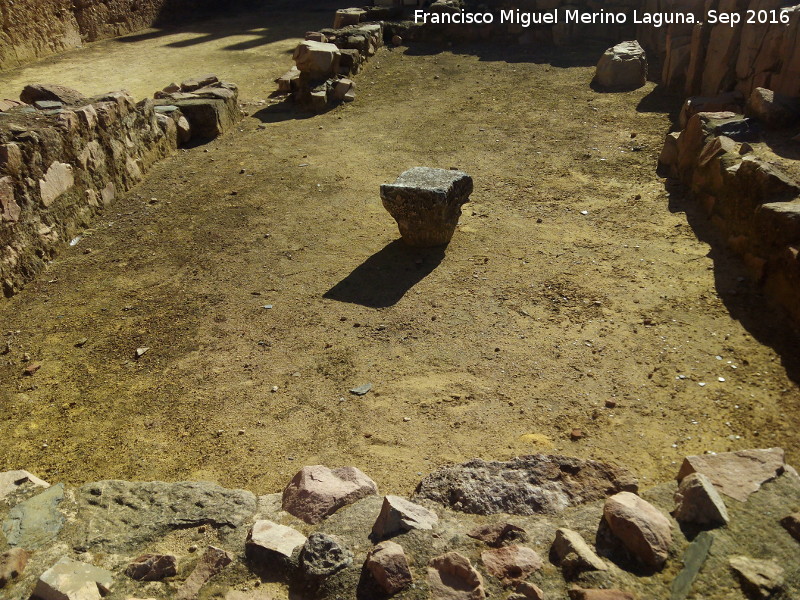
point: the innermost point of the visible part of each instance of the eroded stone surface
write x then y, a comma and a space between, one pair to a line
57, 180
527, 485
426, 203
759, 578
12, 565
124, 515
498, 534
318, 59
736, 474
211, 563
37, 521
10, 481
640, 526
152, 567
317, 491
511, 563
47, 91
594, 594
452, 577
323, 555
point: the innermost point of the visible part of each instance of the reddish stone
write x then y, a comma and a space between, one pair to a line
640, 526
317, 491
452, 577
511, 563
388, 565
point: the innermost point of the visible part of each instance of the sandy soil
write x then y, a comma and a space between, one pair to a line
577, 292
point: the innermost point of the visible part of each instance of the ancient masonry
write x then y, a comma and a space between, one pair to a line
540, 526
63, 158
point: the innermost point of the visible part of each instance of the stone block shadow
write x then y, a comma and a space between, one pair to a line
385, 277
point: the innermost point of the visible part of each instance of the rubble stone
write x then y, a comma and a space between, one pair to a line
498, 534
37, 521
640, 526
318, 59
12, 565
348, 16
590, 594
72, 580
527, 485
211, 563
699, 502
267, 538
571, 552
398, 515
736, 474
526, 590
11, 481
426, 203
622, 67
152, 567
323, 555
452, 577
511, 563
774, 110
759, 578
388, 565
317, 491
57, 180
45, 91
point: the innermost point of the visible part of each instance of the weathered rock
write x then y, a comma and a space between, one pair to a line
640, 526
526, 485
571, 552
318, 59
287, 83
699, 502
46, 91
152, 567
527, 591
9, 209
184, 130
124, 515
779, 222
57, 180
37, 521
348, 16
498, 534
317, 491
211, 563
426, 203
324, 555
316, 36
693, 560
10, 158
11, 481
774, 110
584, 594
759, 578
398, 515
267, 539
196, 83
388, 565
622, 67
208, 117
72, 580
342, 87
736, 474
792, 524
511, 563
12, 565
452, 577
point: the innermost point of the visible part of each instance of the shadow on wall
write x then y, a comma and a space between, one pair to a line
743, 299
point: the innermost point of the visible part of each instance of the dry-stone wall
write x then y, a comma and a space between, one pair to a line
64, 158
31, 29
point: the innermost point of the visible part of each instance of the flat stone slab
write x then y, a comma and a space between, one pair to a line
73, 580
268, 537
37, 521
398, 515
11, 481
736, 474
426, 203
123, 515
528, 485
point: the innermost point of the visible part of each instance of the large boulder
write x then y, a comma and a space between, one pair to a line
426, 203
622, 67
527, 485
316, 492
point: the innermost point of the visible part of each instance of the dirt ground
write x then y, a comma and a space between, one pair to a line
577, 292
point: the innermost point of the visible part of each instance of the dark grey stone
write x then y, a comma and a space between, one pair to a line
693, 560
527, 485
324, 555
37, 521
123, 515
426, 203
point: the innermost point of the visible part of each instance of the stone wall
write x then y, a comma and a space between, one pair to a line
64, 158
32, 29
705, 59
